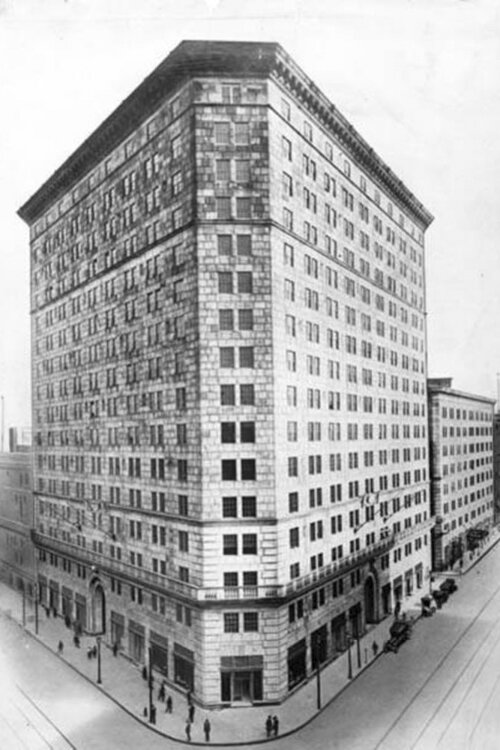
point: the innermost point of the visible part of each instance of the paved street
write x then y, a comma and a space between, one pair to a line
441, 690
88, 719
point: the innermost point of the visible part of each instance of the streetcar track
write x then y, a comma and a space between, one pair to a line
14, 731
47, 718
436, 669
485, 706
469, 687
32, 725
452, 687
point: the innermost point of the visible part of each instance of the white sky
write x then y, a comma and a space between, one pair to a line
419, 80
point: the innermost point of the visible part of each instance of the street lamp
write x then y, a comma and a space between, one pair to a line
349, 658
98, 640
318, 672
36, 608
24, 604
358, 647
152, 710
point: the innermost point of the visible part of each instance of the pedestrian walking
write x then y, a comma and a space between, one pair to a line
375, 648
89, 652
191, 713
276, 726
188, 731
206, 729
60, 647
76, 641
269, 725
189, 697
168, 704
115, 648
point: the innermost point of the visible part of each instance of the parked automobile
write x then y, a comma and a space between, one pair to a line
400, 632
440, 597
428, 606
449, 586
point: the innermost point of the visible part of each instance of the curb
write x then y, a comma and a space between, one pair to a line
196, 743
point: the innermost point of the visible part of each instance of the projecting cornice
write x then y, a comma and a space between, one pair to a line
235, 59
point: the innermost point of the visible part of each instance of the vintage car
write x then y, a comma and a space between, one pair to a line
440, 597
428, 606
400, 632
449, 586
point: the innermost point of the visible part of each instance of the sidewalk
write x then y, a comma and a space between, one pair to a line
122, 681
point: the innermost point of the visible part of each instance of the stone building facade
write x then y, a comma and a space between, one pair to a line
17, 554
229, 366
461, 465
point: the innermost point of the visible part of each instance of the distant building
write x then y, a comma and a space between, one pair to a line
19, 439
496, 466
461, 463
17, 564
229, 377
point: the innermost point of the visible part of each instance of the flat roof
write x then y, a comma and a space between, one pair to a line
212, 58
435, 386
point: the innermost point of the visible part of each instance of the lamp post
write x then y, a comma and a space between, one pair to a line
152, 718
358, 647
98, 640
36, 608
24, 605
349, 658
318, 672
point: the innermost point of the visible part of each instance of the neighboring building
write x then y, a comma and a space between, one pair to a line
20, 439
496, 467
229, 377
461, 450
17, 554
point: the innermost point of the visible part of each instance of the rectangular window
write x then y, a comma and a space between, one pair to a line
230, 544
229, 507
231, 622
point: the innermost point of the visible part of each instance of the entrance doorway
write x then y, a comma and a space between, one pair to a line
370, 600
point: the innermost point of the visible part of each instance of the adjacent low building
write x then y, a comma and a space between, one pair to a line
461, 465
17, 567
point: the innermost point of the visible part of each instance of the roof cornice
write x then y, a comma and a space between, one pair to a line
206, 58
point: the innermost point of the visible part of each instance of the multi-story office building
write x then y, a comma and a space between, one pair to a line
461, 466
229, 364
17, 554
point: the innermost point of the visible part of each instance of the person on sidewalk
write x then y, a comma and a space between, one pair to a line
276, 726
375, 648
168, 705
161, 692
89, 652
189, 697
60, 648
191, 713
269, 725
115, 648
206, 729
188, 731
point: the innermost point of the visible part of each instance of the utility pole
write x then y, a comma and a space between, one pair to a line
349, 658
24, 605
36, 608
318, 676
99, 680
152, 718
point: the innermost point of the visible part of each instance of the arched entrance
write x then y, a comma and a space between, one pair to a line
98, 608
370, 600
